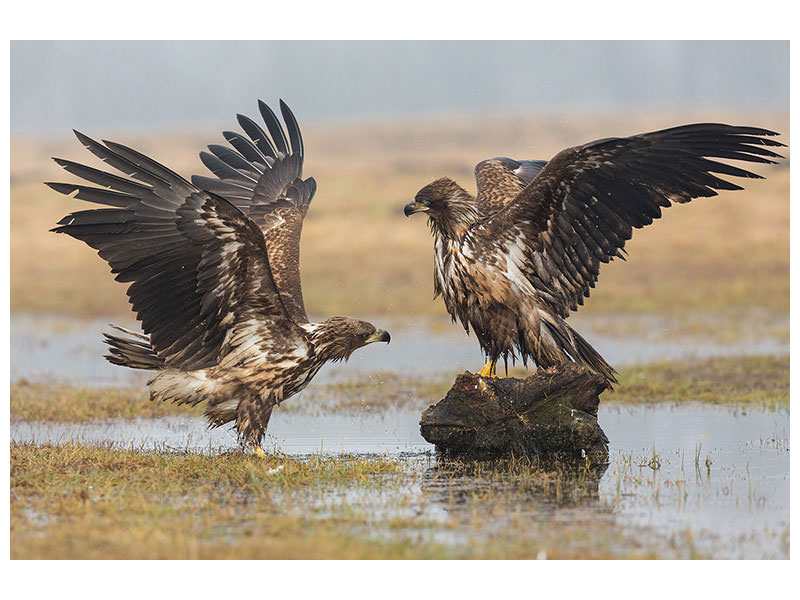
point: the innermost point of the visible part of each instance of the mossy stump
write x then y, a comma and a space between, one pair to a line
550, 415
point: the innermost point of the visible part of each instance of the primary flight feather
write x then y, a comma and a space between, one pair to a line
213, 271
513, 262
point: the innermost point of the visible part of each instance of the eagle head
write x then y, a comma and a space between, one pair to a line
338, 337
434, 197
451, 209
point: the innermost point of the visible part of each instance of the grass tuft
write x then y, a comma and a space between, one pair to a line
756, 380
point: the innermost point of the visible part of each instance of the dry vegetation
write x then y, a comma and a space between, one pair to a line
361, 256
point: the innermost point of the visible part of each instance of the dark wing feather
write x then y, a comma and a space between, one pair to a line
196, 265
581, 208
501, 179
261, 174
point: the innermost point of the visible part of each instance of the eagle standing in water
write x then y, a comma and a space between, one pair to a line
213, 268
514, 261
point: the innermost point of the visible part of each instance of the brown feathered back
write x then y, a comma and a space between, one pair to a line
501, 179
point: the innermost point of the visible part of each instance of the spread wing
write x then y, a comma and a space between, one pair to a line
261, 174
581, 208
197, 266
501, 179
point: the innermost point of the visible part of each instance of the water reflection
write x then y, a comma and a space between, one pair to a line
518, 482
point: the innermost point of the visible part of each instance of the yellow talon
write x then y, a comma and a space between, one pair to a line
259, 451
488, 369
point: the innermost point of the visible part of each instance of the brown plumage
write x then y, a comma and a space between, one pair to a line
513, 262
213, 268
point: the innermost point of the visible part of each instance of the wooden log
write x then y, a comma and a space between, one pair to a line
551, 415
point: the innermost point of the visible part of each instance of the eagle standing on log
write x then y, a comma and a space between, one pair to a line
213, 268
514, 261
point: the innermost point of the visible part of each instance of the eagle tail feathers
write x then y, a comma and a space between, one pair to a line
592, 359
572, 344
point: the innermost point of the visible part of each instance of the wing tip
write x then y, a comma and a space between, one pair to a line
84, 139
265, 110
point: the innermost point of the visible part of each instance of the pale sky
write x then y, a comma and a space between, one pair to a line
56, 86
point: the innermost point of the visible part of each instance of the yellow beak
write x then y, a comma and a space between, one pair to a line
379, 336
414, 207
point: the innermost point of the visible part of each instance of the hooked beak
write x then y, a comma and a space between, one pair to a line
414, 207
379, 336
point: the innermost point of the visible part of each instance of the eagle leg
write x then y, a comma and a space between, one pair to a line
488, 369
258, 450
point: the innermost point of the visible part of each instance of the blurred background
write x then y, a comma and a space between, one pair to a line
59, 85
382, 119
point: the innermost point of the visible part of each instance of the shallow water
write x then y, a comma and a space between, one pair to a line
733, 502
51, 347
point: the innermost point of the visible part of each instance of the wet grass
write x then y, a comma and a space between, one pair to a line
172, 505
69, 404
375, 393
75, 501
756, 380
362, 257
